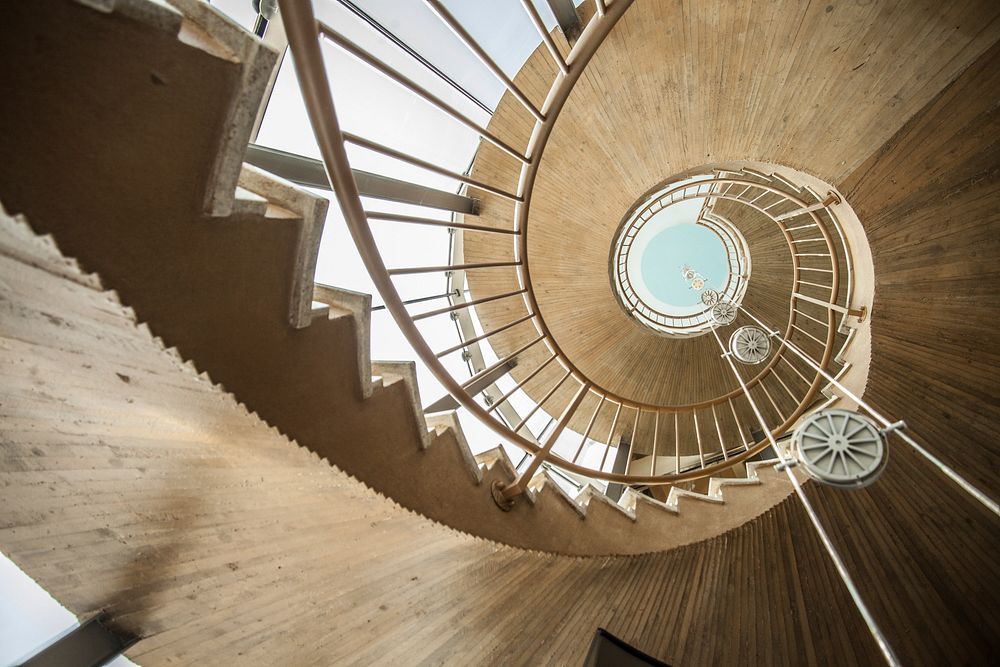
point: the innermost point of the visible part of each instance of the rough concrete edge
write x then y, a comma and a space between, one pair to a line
590, 493
443, 421
312, 211
248, 203
257, 60
154, 13
69, 268
406, 371
358, 305
675, 495
543, 479
715, 484
497, 456
633, 499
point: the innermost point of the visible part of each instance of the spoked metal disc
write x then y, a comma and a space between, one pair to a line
750, 344
723, 312
841, 448
710, 297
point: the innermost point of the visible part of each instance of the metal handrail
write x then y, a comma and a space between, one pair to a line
304, 32
634, 304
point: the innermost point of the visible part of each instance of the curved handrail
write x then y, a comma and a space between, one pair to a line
303, 32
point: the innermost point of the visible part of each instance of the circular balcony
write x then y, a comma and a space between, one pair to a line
673, 261
563, 366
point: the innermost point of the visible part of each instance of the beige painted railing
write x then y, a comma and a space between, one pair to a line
813, 305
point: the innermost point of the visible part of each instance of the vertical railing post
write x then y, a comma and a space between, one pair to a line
505, 494
786, 465
611, 433
892, 427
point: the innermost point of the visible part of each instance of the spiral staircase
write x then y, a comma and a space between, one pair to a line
221, 470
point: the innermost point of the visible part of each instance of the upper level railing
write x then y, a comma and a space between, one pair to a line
788, 388
690, 321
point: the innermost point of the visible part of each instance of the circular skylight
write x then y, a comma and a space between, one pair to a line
674, 258
661, 251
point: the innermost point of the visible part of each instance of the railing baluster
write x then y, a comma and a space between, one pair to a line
465, 304
590, 425
631, 445
854, 312
410, 51
830, 200
611, 432
803, 331
774, 372
452, 267
538, 404
806, 282
718, 429
739, 429
771, 400
429, 166
483, 57
416, 220
697, 436
414, 87
810, 317
602, 9
466, 343
517, 488
656, 437
520, 384
532, 13
797, 371
677, 445
489, 369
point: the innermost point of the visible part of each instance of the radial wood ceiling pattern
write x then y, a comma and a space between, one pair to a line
673, 87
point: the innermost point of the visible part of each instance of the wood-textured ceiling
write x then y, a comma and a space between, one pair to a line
677, 85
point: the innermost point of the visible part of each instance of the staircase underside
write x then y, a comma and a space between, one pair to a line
221, 542
817, 87
221, 288
134, 486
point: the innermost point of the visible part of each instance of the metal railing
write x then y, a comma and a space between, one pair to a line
816, 279
695, 320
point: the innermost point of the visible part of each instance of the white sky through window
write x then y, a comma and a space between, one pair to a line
376, 108
372, 106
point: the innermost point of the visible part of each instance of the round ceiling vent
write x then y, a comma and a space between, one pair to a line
750, 344
710, 297
841, 448
723, 313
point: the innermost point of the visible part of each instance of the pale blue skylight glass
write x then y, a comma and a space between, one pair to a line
683, 245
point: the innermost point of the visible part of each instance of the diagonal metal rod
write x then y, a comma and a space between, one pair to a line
521, 383
785, 463
517, 488
966, 485
536, 20
388, 34
464, 304
450, 224
388, 151
421, 299
421, 92
463, 35
470, 341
